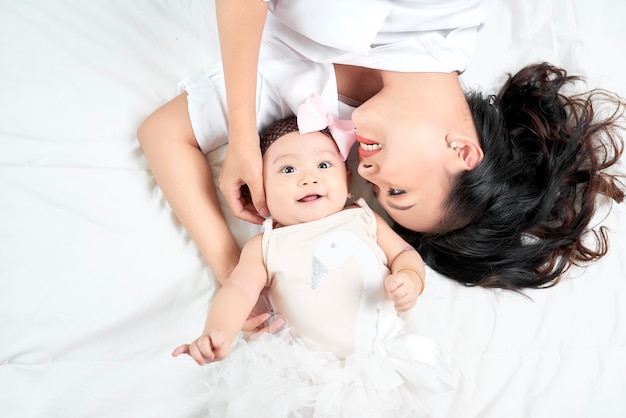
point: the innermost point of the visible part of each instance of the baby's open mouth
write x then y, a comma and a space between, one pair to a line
309, 198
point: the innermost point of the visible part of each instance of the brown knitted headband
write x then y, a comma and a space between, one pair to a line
276, 130
280, 128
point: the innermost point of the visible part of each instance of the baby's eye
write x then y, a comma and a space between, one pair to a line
287, 169
395, 192
324, 164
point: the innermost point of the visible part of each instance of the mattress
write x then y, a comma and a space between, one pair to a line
99, 281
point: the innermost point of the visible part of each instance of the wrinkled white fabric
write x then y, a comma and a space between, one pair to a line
302, 40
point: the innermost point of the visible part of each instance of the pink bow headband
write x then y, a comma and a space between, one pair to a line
313, 116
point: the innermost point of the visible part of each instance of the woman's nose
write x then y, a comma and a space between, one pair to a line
366, 167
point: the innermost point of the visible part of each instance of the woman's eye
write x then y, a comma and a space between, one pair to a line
395, 192
325, 164
287, 170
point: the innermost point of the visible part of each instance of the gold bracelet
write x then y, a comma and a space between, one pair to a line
416, 271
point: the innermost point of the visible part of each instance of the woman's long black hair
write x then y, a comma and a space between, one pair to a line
521, 217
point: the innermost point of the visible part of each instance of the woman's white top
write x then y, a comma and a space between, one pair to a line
302, 39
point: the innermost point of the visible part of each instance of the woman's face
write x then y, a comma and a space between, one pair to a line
405, 153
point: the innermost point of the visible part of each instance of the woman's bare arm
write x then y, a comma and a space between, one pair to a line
240, 26
184, 176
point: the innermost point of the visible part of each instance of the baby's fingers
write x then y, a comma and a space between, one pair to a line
181, 349
404, 304
392, 283
200, 350
218, 346
205, 349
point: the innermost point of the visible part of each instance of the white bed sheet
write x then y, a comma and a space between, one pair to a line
98, 281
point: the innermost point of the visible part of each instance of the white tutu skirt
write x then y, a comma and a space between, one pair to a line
278, 376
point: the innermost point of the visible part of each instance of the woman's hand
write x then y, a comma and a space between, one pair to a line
262, 319
243, 165
240, 57
264, 323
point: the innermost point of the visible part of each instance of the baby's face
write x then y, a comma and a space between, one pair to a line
305, 178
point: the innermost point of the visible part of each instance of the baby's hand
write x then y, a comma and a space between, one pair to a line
206, 348
404, 287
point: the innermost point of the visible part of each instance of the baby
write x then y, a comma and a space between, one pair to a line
336, 273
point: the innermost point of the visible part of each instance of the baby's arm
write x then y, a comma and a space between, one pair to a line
406, 282
240, 25
230, 307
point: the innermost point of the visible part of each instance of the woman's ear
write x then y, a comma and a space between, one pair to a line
468, 150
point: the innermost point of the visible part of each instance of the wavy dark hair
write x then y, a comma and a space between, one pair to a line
521, 218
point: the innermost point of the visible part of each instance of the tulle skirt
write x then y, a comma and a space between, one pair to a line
279, 376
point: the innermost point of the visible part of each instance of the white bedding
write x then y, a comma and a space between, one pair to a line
99, 282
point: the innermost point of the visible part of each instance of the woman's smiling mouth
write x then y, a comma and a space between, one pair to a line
367, 147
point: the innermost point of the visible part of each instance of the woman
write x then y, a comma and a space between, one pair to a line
495, 192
